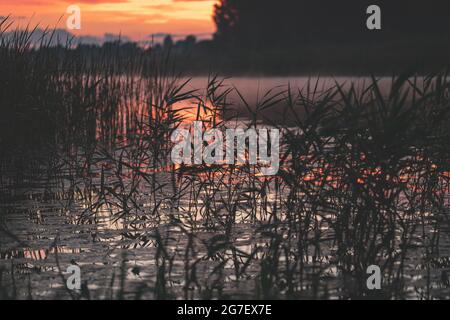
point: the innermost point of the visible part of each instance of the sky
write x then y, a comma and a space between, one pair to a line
136, 19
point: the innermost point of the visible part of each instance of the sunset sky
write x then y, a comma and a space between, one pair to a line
134, 18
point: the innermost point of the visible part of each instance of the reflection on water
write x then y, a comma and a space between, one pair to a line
141, 228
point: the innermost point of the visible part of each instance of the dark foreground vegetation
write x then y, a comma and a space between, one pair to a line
85, 178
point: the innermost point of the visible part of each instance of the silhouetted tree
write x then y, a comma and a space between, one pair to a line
168, 42
262, 23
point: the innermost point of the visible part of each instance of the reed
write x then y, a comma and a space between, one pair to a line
363, 180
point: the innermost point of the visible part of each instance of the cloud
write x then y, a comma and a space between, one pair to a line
135, 18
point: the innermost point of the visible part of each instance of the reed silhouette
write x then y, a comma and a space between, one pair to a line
364, 179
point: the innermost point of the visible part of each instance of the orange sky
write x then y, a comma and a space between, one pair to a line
134, 18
